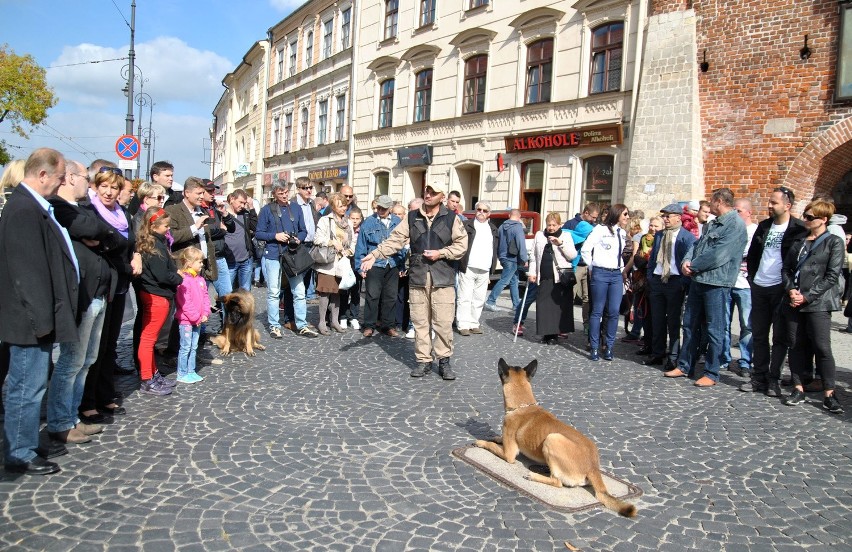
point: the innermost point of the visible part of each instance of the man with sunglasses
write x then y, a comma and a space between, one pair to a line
771, 242
475, 268
304, 191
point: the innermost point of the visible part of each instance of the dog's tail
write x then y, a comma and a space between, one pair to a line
623, 508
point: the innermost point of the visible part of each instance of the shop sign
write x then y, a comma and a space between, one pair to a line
334, 173
578, 138
243, 169
416, 156
270, 179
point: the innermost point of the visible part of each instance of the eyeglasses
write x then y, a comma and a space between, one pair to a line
114, 170
483, 210
809, 217
787, 192
348, 196
83, 176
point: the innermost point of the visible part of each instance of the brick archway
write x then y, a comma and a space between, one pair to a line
822, 163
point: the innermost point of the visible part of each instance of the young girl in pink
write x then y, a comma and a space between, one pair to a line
192, 306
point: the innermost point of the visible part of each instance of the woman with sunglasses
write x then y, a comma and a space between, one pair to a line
602, 253
812, 269
99, 395
149, 195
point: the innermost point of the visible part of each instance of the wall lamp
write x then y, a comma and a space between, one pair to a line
704, 65
805, 52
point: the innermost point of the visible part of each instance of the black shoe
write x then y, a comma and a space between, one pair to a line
445, 369
117, 411
773, 389
654, 361
119, 371
796, 397
831, 404
549, 340
53, 450
421, 369
753, 387
96, 419
644, 351
36, 466
594, 356
607, 354
740, 371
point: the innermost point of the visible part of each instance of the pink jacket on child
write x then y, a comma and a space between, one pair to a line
191, 300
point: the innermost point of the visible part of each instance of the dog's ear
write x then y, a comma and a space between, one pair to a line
503, 369
531, 368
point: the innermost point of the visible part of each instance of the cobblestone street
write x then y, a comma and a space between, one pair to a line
328, 444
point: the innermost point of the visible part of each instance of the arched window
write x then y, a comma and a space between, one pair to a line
606, 58
475, 71
304, 133
309, 48
423, 95
386, 104
539, 70
532, 185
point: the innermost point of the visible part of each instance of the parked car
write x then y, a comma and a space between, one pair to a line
532, 224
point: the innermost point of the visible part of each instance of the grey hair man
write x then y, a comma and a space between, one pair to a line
475, 269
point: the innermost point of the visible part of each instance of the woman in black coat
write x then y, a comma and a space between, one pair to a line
812, 269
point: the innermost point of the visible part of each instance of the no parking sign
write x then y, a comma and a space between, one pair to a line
127, 147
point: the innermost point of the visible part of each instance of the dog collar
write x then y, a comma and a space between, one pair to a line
520, 406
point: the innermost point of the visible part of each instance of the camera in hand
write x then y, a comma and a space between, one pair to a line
292, 244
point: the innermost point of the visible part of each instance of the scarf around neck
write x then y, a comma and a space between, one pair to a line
664, 255
114, 217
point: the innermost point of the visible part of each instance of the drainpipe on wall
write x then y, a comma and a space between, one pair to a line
261, 168
350, 162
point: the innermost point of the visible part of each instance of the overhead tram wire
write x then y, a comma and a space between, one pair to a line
86, 62
121, 13
79, 148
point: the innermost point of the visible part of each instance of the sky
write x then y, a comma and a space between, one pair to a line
182, 52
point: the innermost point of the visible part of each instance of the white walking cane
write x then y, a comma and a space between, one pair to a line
521, 314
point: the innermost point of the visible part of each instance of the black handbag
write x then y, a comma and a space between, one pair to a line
566, 277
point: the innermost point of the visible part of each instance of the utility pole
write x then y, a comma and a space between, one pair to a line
128, 128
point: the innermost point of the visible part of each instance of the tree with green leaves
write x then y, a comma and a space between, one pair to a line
25, 96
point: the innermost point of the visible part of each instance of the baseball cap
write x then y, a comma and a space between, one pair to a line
438, 187
384, 201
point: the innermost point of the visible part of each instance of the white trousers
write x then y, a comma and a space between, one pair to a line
472, 291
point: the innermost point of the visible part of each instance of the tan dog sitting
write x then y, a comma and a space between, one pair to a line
572, 457
238, 333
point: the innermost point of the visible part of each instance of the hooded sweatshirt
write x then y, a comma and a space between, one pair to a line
835, 226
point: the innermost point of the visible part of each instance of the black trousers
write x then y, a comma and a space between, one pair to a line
665, 300
812, 331
765, 314
380, 297
99, 390
403, 309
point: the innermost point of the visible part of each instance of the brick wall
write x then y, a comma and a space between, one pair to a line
768, 118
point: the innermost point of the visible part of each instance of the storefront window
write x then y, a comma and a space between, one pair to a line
598, 180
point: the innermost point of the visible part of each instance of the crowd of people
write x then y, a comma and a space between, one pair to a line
77, 243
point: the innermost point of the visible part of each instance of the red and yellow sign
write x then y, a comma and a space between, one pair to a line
578, 138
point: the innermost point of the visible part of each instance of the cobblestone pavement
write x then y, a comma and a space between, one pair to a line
328, 444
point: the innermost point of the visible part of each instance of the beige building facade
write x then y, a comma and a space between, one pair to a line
521, 104
238, 127
308, 96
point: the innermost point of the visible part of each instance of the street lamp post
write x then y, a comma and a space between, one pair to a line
142, 99
130, 77
149, 139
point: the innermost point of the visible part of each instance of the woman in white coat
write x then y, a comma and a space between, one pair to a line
553, 252
333, 230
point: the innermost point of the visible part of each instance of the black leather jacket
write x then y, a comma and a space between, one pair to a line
819, 274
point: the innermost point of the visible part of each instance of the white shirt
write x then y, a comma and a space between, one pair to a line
769, 271
674, 270
742, 276
482, 249
601, 247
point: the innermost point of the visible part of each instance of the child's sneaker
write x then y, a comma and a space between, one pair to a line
163, 381
195, 377
186, 379
355, 324
150, 387
343, 323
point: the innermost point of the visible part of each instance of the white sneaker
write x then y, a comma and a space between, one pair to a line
410, 334
433, 335
343, 323
355, 325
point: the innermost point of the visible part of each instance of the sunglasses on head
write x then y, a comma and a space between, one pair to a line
787, 192
115, 170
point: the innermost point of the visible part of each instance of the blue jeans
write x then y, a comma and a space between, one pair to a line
707, 310
188, 345
272, 273
607, 287
222, 285
72, 366
241, 274
741, 298
509, 277
26, 383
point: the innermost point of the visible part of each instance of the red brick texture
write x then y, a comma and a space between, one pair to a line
756, 75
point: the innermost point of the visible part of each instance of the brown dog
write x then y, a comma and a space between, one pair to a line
239, 334
537, 434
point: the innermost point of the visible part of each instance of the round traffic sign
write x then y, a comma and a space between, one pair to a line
127, 147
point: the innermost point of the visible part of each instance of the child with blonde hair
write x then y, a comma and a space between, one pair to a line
192, 306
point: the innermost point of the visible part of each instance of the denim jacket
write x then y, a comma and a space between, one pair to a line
370, 235
716, 257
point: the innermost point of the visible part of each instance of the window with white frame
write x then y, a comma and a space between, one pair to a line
293, 50
276, 134
539, 69
304, 134
423, 95
386, 103
322, 122
391, 18
427, 12
477, 3
288, 131
345, 27
339, 133
327, 31
309, 49
475, 72
280, 64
